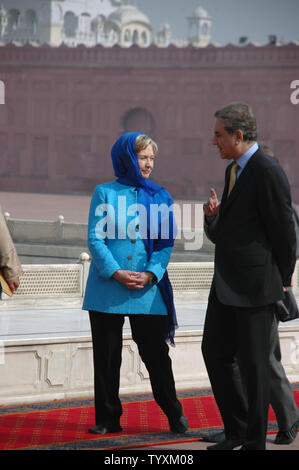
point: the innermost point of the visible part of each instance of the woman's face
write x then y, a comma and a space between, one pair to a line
146, 160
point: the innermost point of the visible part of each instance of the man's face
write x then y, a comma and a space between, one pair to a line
225, 142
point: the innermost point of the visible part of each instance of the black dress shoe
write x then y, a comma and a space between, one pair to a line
286, 437
245, 447
105, 428
180, 425
216, 437
227, 444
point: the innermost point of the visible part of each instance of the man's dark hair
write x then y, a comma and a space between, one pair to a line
238, 116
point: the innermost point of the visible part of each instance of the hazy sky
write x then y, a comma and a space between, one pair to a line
256, 19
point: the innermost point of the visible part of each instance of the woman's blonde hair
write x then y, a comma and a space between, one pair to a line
144, 141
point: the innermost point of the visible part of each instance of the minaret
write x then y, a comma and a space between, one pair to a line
3, 21
163, 37
200, 24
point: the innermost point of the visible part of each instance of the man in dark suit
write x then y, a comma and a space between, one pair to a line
255, 255
281, 394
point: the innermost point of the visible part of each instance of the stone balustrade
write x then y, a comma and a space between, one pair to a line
63, 282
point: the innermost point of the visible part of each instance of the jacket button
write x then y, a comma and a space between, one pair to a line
133, 241
129, 257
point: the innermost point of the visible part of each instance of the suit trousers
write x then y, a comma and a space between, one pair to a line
148, 334
281, 393
242, 332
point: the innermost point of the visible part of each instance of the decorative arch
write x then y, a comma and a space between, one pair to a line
70, 24
139, 120
13, 19
127, 35
31, 21
135, 39
144, 38
85, 22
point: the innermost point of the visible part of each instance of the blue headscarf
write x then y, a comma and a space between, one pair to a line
126, 169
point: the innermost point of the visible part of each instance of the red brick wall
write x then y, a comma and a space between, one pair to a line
65, 108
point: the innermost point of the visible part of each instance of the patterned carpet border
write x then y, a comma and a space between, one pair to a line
80, 402
140, 440
126, 442
120, 441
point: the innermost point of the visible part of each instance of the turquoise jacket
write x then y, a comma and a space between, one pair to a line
114, 243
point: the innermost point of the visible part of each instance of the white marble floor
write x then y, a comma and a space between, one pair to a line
42, 322
62, 322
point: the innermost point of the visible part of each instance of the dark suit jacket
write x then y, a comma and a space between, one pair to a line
254, 234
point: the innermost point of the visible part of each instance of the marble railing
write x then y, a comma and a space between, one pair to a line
66, 282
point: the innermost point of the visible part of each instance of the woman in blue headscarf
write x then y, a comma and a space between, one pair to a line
130, 237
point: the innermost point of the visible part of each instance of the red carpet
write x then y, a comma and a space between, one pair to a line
63, 424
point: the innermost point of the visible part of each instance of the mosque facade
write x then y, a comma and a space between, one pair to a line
66, 105
90, 22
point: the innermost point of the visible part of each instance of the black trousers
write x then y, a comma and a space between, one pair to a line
281, 393
147, 332
245, 333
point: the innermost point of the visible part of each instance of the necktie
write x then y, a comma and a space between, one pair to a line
233, 176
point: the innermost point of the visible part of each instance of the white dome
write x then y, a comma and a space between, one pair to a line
201, 13
128, 14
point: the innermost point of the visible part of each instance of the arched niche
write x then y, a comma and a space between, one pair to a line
139, 120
